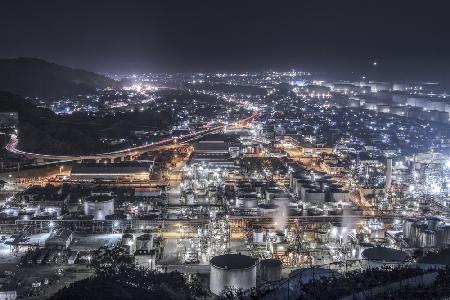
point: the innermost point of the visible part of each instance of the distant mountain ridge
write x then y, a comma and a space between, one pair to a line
33, 77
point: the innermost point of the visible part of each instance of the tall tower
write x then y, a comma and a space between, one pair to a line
387, 186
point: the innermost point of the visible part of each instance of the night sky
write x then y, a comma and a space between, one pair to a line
408, 38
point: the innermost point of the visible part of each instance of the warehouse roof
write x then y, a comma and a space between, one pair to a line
125, 168
213, 146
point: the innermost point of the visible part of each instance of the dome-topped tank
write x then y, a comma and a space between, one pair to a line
232, 270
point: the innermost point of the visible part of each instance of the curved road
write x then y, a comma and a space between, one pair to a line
163, 144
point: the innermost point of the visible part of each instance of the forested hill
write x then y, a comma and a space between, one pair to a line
42, 131
32, 77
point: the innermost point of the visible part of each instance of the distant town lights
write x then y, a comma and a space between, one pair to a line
447, 163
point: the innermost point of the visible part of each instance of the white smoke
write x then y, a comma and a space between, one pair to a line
281, 215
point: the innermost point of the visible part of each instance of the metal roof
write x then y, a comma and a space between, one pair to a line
233, 261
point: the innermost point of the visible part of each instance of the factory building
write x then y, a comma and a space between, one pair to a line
216, 152
212, 147
59, 239
45, 196
309, 149
429, 232
126, 171
99, 206
333, 166
47, 201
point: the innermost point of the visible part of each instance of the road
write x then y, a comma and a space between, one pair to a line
133, 151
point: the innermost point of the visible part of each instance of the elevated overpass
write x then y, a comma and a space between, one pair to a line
125, 154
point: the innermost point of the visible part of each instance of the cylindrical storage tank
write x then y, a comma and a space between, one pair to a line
416, 233
127, 239
243, 202
270, 270
99, 206
258, 236
413, 233
268, 209
144, 242
407, 227
271, 193
377, 257
232, 270
443, 236
432, 222
377, 234
293, 178
427, 239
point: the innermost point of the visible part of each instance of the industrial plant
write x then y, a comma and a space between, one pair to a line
295, 150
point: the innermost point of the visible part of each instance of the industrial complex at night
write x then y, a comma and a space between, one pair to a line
182, 171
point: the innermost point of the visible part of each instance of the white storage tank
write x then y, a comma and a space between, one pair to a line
315, 196
427, 239
258, 235
232, 270
407, 227
99, 206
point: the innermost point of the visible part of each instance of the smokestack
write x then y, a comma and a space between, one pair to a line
388, 174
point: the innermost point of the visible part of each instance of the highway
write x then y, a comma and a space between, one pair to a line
133, 151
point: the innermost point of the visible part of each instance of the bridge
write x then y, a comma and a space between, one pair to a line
125, 154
